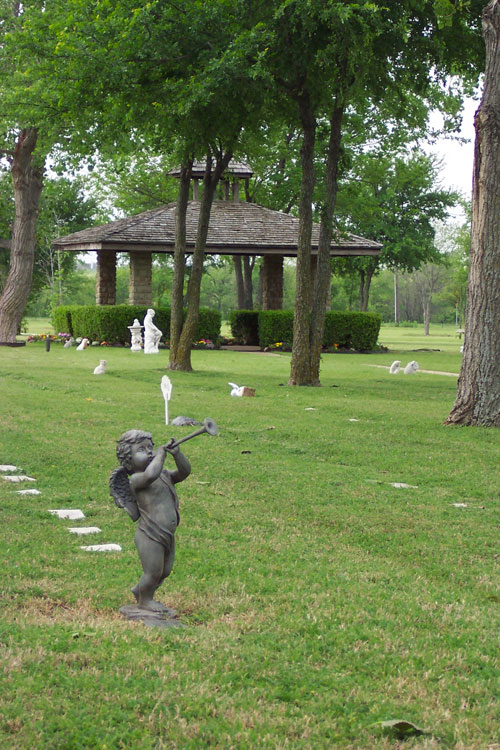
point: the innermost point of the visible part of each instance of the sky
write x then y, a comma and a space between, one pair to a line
457, 158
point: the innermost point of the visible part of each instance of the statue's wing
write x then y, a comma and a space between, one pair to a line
119, 489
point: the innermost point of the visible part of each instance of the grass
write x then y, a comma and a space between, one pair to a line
36, 326
317, 599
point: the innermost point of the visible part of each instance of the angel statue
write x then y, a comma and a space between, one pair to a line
142, 487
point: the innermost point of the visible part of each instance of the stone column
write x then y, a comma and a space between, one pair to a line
105, 293
272, 282
140, 285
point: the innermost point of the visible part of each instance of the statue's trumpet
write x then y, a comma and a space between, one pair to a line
209, 426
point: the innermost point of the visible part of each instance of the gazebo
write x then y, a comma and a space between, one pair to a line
236, 228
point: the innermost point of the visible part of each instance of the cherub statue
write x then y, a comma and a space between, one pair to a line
146, 491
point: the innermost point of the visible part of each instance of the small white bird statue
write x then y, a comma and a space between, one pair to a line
82, 345
237, 390
101, 367
395, 367
411, 368
69, 343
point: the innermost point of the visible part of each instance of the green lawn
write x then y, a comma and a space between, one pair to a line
318, 600
442, 337
37, 326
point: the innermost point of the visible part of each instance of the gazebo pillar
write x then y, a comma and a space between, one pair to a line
140, 290
105, 293
272, 282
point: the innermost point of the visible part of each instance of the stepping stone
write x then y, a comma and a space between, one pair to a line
8, 467
18, 478
403, 486
102, 548
72, 513
28, 492
84, 530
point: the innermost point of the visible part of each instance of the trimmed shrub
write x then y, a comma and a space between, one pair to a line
84, 321
61, 319
245, 326
349, 330
113, 321
274, 326
110, 322
352, 330
209, 323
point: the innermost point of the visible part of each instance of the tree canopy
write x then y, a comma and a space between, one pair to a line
198, 80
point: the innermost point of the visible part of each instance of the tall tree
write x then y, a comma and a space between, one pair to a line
166, 75
27, 169
329, 57
180, 348
478, 395
27, 180
396, 200
428, 281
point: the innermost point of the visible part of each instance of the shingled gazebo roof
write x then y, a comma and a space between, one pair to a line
236, 228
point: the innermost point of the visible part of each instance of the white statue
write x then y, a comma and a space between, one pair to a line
101, 367
411, 368
136, 336
395, 367
237, 390
166, 389
152, 334
241, 390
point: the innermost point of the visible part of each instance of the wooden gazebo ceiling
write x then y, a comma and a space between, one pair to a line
236, 228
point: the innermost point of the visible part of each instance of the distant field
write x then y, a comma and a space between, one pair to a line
444, 338
38, 325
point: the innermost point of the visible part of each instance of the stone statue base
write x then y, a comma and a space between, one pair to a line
165, 619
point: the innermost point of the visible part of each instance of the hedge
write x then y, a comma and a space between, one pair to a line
348, 330
274, 326
245, 326
61, 319
110, 322
352, 330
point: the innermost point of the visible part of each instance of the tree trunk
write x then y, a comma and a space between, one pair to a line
323, 270
300, 370
248, 264
27, 179
478, 396
366, 276
427, 316
240, 285
210, 182
177, 294
396, 298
